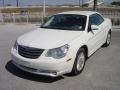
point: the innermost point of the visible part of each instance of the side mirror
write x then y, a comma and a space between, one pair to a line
94, 27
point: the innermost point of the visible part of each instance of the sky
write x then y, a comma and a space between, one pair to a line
49, 2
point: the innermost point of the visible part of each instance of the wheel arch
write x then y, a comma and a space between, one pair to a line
85, 48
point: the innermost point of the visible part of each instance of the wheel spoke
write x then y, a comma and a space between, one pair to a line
108, 39
80, 61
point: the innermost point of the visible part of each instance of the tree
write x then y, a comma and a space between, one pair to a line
117, 3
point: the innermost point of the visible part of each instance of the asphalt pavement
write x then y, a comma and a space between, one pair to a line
102, 70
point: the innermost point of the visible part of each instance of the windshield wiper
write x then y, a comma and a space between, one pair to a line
52, 27
60, 28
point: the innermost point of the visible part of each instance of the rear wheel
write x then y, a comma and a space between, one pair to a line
108, 40
79, 62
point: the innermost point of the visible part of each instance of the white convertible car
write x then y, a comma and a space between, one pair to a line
62, 44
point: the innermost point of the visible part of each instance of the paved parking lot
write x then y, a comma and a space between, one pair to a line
102, 70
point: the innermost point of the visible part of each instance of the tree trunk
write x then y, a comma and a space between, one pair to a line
95, 5
17, 3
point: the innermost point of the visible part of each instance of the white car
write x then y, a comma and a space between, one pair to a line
62, 44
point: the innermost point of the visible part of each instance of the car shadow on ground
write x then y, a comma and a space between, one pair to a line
10, 67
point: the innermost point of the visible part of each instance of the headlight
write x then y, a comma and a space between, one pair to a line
58, 53
16, 45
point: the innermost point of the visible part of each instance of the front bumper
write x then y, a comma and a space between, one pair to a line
43, 65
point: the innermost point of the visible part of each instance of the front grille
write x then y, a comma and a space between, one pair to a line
29, 52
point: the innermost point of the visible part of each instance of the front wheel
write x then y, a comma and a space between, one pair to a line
108, 40
79, 62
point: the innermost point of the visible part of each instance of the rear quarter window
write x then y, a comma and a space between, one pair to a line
96, 19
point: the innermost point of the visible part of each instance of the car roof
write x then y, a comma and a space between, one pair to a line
86, 13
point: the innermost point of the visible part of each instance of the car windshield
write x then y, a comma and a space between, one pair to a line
66, 22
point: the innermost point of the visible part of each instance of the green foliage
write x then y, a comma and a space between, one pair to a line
46, 19
117, 3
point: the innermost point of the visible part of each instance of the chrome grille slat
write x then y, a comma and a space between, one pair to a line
29, 52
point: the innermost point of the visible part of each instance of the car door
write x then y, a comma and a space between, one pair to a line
95, 36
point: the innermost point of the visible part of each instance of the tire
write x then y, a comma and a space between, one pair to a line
79, 63
108, 40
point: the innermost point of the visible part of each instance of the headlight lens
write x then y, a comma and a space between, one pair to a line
58, 53
16, 45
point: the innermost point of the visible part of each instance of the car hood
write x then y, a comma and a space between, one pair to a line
48, 38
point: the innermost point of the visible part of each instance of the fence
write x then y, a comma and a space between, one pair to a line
21, 18
37, 17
